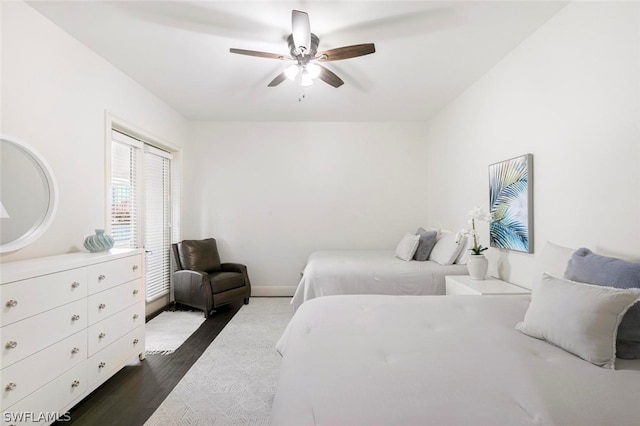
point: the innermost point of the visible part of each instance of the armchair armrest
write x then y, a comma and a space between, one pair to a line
237, 267
193, 288
233, 267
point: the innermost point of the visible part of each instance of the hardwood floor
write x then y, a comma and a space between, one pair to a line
134, 393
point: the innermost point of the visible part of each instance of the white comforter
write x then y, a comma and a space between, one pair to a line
454, 360
332, 272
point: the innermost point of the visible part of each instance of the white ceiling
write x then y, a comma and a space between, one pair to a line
426, 52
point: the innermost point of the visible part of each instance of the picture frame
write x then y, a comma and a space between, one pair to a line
511, 204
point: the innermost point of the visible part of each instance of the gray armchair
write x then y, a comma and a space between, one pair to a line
201, 281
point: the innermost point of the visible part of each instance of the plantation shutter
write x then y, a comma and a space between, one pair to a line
124, 190
157, 194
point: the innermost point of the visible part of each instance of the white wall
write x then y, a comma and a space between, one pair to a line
272, 193
570, 94
54, 95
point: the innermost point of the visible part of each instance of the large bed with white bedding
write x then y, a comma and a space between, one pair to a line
333, 272
454, 360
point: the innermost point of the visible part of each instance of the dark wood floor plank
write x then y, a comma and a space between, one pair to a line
132, 395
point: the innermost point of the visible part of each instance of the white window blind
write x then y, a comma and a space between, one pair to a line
124, 190
157, 194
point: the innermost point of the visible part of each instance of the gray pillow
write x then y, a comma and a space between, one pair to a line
426, 243
588, 267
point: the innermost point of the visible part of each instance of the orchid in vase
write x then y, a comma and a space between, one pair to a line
476, 214
477, 264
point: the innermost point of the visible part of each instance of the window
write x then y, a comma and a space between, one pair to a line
141, 206
124, 190
157, 235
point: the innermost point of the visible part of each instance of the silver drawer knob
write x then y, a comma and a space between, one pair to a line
101, 277
12, 303
135, 341
75, 384
102, 365
102, 306
10, 387
75, 318
75, 284
136, 292
134, 268
11, 345
75, 350
101, 336
136, 316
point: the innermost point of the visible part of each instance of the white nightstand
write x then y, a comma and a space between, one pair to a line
463, 284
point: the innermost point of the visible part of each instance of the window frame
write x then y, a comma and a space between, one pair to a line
113, 122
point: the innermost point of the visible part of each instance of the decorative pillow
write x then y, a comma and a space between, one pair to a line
465, 252
426, 243
407, 246
446, 249
588, 267
580, 318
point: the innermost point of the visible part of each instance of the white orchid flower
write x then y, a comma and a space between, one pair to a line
476, 214
479, 213
461, 234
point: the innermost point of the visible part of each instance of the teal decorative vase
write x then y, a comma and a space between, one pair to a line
99, 242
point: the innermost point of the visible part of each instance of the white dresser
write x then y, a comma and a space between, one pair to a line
67, 324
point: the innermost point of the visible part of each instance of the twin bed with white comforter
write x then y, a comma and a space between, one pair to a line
441, 360
454, 360
333, 272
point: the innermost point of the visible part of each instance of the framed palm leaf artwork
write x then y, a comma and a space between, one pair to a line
511, 204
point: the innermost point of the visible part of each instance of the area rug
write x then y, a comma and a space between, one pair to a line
234, 381
166, 332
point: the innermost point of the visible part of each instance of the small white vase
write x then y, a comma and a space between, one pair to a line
477, 265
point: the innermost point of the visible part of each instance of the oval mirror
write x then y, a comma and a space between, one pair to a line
28, 195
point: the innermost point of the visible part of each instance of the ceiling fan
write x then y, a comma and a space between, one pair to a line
303, 48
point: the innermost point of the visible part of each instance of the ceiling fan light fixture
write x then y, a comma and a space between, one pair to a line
313, 70
292, 72
305, 79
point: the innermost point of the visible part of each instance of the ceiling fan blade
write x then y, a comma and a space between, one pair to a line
346, 52
279, 79
260, 54
301, 30
330, 77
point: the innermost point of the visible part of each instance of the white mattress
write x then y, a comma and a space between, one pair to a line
454, 360
332, 272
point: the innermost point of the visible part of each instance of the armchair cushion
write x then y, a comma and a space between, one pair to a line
223, 281
199, 255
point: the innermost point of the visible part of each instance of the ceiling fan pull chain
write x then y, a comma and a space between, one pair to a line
301, 95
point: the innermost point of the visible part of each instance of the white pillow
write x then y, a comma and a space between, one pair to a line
407, 246
553, 260
465, 252
446, 249
580, 318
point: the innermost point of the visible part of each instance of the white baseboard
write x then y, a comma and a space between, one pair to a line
273, 291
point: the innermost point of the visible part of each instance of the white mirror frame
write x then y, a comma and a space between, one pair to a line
38, 228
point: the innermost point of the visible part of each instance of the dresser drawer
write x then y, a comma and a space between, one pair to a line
22, 299
106, 303
105, 275
103, 364
49, 399
24, 377
30, 335
106, 332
